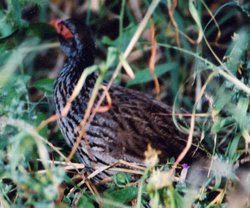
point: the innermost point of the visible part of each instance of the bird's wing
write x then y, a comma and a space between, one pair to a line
140, 120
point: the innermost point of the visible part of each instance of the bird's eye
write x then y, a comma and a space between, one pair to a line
61, 27
65, 32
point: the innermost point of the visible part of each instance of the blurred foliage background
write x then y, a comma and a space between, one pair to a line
202, 64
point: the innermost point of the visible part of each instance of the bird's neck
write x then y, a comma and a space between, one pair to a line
71, 72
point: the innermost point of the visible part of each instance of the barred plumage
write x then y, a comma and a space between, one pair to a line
134, 120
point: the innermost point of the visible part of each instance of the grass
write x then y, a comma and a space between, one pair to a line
202, 63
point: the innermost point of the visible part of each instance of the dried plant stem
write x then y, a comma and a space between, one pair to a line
152, 60
192, 125
171, 16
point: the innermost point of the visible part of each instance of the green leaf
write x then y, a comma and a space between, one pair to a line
39, 118
232, 148
14, 61
112, 56
222, 98
121, 179
124, 39
144, 75
106, 40
219, 123
240, 112
45, 85
11, 94
194, 13
237, 49
86, 202
17, 8
122, 196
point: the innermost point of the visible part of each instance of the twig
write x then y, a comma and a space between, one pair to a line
106, 108
152, 59
171, 16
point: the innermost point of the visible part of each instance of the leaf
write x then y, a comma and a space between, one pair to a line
111, 57
17, 8
122, 196
106, 40
121, 179
240, 112
45, 85
232, 148
194, 13
237, 49
14, 89
222, 98
144, 75
219, 123
85, 202
124, 39
14, 61
39, 118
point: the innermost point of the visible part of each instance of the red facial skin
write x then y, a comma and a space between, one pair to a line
61, 29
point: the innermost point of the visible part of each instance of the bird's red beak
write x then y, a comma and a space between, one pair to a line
61, 29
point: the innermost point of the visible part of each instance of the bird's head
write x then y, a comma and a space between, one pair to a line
76, 40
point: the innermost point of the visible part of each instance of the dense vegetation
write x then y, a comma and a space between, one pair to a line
202, 64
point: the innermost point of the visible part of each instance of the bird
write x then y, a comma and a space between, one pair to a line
125, 130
